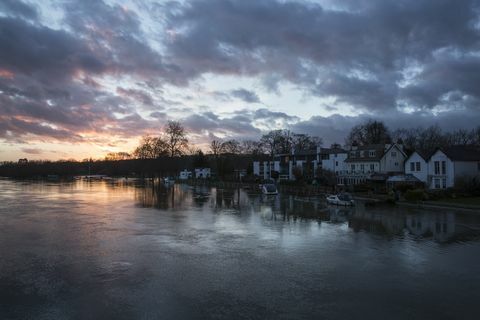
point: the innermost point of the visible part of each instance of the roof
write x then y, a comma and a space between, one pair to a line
422, 155
378, 148
462, 153
311, 152
332, 150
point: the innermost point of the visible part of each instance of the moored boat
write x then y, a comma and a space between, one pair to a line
269, 189
341, 199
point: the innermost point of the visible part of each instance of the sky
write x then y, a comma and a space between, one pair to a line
79, 79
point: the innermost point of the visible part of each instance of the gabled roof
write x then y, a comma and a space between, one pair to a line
378, 148
461, 153
422, 155
332, 150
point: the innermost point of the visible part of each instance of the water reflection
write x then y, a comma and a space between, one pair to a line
135, 250
444, 226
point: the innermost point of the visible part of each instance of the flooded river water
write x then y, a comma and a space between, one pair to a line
123, 250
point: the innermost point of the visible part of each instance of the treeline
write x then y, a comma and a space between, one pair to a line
170, 151
226, 167
424, 140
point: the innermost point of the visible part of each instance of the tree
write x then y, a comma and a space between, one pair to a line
115, 156
371, 132
252, 147
175, 138
216, 147
145, 148
271, 141
231, 147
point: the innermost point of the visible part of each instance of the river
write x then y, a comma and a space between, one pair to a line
124, 250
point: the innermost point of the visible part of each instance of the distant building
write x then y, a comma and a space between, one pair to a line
373, 162
24, 160
185, 175
202, 173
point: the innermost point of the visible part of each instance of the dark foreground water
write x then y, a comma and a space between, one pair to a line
125, 251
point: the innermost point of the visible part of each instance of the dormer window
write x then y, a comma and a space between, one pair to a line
371, 153
394, 154
362, 154
352, 154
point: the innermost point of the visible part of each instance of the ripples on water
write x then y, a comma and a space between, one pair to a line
125, 250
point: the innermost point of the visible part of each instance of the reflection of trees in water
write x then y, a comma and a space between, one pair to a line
160, 196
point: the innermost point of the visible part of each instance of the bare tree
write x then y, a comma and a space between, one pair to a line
145, 148
252, 147
371, 132
231, 146
216, 147
175, 138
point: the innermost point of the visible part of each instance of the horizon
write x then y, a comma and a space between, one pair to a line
83, 79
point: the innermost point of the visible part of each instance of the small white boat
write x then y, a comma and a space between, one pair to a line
269, 189
341, 199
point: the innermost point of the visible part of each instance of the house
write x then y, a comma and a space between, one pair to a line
23, 161
448, 166
202, 173
377, 161
332, 159
305, 161
282, 166
416, 164
185, 175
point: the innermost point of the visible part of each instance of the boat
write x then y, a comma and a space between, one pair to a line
341, 199
269, 189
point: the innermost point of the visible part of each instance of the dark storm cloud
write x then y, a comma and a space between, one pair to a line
43, 53
379, 56
245, 95
335, 128
18, 8
356, 53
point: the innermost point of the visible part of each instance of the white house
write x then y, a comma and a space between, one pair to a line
417, 165
364, 161
185, 174
447, 166
333, 159
202, 173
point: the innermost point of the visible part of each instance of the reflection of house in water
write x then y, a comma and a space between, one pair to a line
376, 222
440, 226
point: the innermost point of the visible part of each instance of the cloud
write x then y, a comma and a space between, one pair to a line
18, 8
357, 53
32, 151
245, 95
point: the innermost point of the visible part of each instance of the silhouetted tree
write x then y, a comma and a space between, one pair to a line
175, 138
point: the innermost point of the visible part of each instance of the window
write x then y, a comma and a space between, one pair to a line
437, 167
352, 153
412, 166
418, 166
336, 163
437, 183
396, 164
372, 167
353, 167
371, 153
444, 167
394, 154
444, 183
362, 168
362, 154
